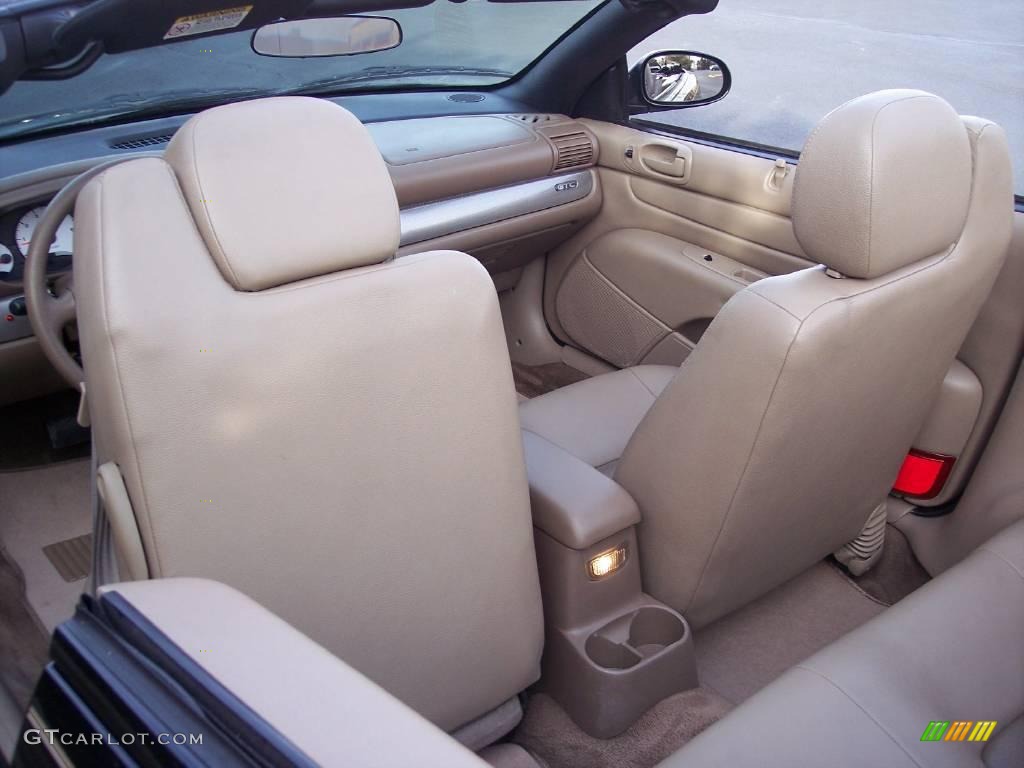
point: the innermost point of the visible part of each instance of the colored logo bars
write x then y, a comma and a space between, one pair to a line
958, 730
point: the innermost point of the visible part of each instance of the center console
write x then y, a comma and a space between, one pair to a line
611, 651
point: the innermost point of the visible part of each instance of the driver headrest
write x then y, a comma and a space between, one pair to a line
286, 188
883, 181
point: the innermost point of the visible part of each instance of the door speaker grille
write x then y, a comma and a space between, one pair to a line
603, 320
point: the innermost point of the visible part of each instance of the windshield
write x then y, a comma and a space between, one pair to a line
445, 44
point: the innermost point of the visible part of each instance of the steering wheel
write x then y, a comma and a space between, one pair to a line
49, 311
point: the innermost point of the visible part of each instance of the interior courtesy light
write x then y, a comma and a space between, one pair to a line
606, 563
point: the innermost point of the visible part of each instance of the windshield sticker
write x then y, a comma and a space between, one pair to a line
212, 21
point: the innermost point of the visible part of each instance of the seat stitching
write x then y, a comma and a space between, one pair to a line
859, 706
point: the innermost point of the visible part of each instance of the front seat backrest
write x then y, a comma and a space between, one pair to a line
785, 428
298, 415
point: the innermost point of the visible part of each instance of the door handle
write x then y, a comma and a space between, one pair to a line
674, 167
671, 160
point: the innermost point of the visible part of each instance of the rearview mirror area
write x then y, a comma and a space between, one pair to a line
337, 36
677, 79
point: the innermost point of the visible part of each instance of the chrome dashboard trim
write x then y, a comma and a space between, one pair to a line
456, 214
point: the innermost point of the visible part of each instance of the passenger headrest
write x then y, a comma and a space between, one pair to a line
285, 188
883, 181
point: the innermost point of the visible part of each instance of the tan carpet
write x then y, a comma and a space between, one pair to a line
740, 654
39, 507
897, 572
548, 732
23, 652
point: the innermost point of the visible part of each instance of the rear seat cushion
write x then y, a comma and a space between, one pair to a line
953, 650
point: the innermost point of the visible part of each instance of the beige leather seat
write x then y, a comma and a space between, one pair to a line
784, 430
950, 652
301, 417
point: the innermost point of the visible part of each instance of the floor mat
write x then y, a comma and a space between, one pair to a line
39, 507
548, 732
23, 652
71, 557
897, 572
25, 440
742, 653
534, 380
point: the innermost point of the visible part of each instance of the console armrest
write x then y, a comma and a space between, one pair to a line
324, 707
572, 502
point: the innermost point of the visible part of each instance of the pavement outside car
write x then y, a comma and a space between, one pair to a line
792, 61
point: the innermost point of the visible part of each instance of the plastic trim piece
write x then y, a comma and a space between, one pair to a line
113, 673
258, 739
446, 217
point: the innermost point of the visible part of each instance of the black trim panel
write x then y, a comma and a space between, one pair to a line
114, 673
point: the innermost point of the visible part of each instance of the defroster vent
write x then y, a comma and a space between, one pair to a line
142, 141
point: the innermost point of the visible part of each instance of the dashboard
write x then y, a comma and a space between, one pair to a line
503, 186
17, 228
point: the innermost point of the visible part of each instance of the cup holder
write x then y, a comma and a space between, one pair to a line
628, 640
653, 629
611, 655
608, 674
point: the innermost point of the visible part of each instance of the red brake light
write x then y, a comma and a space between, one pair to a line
923, 474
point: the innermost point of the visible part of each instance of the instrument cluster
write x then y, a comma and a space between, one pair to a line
17, 228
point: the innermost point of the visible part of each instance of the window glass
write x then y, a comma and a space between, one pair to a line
792, 61
468, 44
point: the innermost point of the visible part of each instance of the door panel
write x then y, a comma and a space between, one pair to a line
633, 285
683, 227
992, 352
762, 227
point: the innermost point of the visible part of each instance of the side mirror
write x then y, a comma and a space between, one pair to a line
338, 36
677, 79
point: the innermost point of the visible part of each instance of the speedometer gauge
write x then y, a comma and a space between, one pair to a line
62, 241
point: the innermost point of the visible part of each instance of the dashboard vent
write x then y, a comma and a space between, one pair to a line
573, 148
142, 142
533, 119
